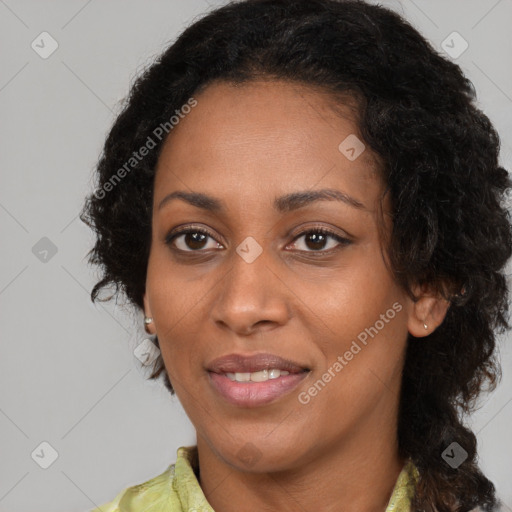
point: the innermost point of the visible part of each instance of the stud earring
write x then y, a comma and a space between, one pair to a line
425, 325
148, 320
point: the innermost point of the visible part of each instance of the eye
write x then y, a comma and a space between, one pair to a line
195, 239
191, 239
316, 239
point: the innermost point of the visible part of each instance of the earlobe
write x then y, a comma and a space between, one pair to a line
427, 313
148, 317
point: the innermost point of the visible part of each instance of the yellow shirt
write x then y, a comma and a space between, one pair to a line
177, 490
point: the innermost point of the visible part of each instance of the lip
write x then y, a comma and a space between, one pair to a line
241, 363
255, 394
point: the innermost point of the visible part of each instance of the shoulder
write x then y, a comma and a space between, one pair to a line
147, 496
175, 490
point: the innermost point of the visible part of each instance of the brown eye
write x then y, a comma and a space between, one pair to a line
316, 240
191, 240
197, 239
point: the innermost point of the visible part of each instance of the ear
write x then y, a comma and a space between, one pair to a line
430, 309
149, 328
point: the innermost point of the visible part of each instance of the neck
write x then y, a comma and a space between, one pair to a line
359, 473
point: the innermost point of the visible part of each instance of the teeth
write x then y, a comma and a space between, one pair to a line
261, 376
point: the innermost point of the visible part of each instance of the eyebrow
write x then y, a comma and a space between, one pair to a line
283, 204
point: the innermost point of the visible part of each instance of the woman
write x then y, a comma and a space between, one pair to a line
304, 202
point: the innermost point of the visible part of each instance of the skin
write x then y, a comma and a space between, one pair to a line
247, 145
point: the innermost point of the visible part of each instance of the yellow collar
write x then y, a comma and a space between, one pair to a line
192, 497
177, 490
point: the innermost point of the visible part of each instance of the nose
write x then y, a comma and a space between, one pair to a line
252, 297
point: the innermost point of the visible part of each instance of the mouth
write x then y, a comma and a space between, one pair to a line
254, 380
254, 364
260, 375
250, 394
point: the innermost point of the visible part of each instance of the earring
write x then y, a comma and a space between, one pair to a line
147, 320
425, 325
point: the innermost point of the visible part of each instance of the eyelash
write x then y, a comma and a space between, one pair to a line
320, 230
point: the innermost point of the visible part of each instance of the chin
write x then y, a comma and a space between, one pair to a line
261, 456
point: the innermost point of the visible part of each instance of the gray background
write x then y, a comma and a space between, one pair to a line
68, 373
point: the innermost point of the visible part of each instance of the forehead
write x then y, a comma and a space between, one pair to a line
266, 135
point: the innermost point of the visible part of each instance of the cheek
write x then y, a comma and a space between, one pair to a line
363, 361
367, 355
352, 299
171, 297
361, 328
171, 305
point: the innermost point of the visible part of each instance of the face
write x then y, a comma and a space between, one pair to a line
255, 270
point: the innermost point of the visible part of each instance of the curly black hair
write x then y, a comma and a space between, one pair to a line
439, 161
